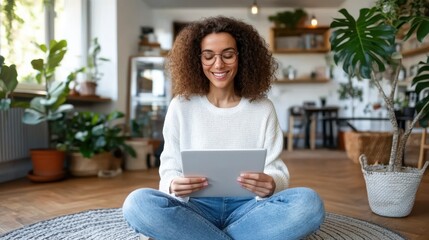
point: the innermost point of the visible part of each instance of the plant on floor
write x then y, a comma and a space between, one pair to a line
92, 133
49, 108
95, 144
366, 47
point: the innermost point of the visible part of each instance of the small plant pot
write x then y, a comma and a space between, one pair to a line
48, 165
81, 166
88, 88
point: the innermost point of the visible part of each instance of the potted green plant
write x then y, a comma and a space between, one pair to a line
289, 19
8, 83
366, 47
48, 164
93, 74
94, 141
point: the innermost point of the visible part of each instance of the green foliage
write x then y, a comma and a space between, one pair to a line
92, 133
422, 84
288, 18
94, 61
8, 83
366, 46
8, 8
50, 107
348, 91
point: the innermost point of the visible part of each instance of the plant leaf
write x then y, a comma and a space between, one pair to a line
362, 45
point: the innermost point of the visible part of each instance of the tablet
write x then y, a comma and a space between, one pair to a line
221, 168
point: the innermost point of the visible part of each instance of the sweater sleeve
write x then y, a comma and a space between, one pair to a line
274, 165
170, 167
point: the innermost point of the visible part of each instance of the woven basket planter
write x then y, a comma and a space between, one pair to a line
375, 145
391, 194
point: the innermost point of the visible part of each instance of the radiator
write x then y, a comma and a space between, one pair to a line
16, 138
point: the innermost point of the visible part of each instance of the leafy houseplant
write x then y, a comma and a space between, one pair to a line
290, 19
48, 164
92, 134
93, 74
8, 83
366, 47
349, 91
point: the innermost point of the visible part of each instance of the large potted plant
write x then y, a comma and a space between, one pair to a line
95, 143
93, 74
48, 164
366, 47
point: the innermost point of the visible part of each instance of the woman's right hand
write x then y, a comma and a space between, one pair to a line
183, 186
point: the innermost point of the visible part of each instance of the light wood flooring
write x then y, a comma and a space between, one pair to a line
337, 179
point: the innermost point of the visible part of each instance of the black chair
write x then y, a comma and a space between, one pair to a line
295, 126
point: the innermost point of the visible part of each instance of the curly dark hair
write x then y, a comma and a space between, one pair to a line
256, 66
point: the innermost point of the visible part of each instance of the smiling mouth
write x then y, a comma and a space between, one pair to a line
219, 75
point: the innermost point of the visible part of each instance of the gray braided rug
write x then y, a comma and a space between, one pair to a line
109, 224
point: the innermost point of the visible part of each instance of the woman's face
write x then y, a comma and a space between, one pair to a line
219, 58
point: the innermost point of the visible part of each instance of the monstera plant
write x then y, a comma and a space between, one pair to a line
366, 48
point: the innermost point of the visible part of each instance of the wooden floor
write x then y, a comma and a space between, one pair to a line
338, 180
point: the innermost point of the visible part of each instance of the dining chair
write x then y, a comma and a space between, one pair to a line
424, 145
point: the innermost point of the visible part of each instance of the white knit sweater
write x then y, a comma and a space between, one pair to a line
197, 124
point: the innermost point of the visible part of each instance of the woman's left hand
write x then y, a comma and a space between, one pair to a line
261, 184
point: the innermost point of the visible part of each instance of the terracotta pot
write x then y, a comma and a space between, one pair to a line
81, 166
88, 88
48, 165
47, 162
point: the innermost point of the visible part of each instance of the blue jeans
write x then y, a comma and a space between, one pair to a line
290, 214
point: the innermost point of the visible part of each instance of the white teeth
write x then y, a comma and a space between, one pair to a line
219, 74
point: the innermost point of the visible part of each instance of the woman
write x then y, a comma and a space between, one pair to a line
222, 70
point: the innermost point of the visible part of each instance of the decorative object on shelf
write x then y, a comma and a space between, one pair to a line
148, 44
88, 87
290, 73
254, 9
313, 21
289, 19
299, 40
366, 46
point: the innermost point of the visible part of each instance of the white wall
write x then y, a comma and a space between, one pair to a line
131, 17
104, 25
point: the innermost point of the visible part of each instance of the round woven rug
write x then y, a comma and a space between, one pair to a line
110, 224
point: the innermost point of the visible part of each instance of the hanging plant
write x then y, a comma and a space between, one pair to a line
8, 9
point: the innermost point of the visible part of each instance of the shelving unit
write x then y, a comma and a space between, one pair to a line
300, 40
72, 99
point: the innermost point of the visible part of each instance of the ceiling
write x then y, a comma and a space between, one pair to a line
241, 3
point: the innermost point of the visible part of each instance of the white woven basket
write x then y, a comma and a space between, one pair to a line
391, 194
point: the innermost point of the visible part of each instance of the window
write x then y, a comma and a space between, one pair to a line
41, 23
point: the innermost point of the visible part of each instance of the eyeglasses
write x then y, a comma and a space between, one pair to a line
227, 57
